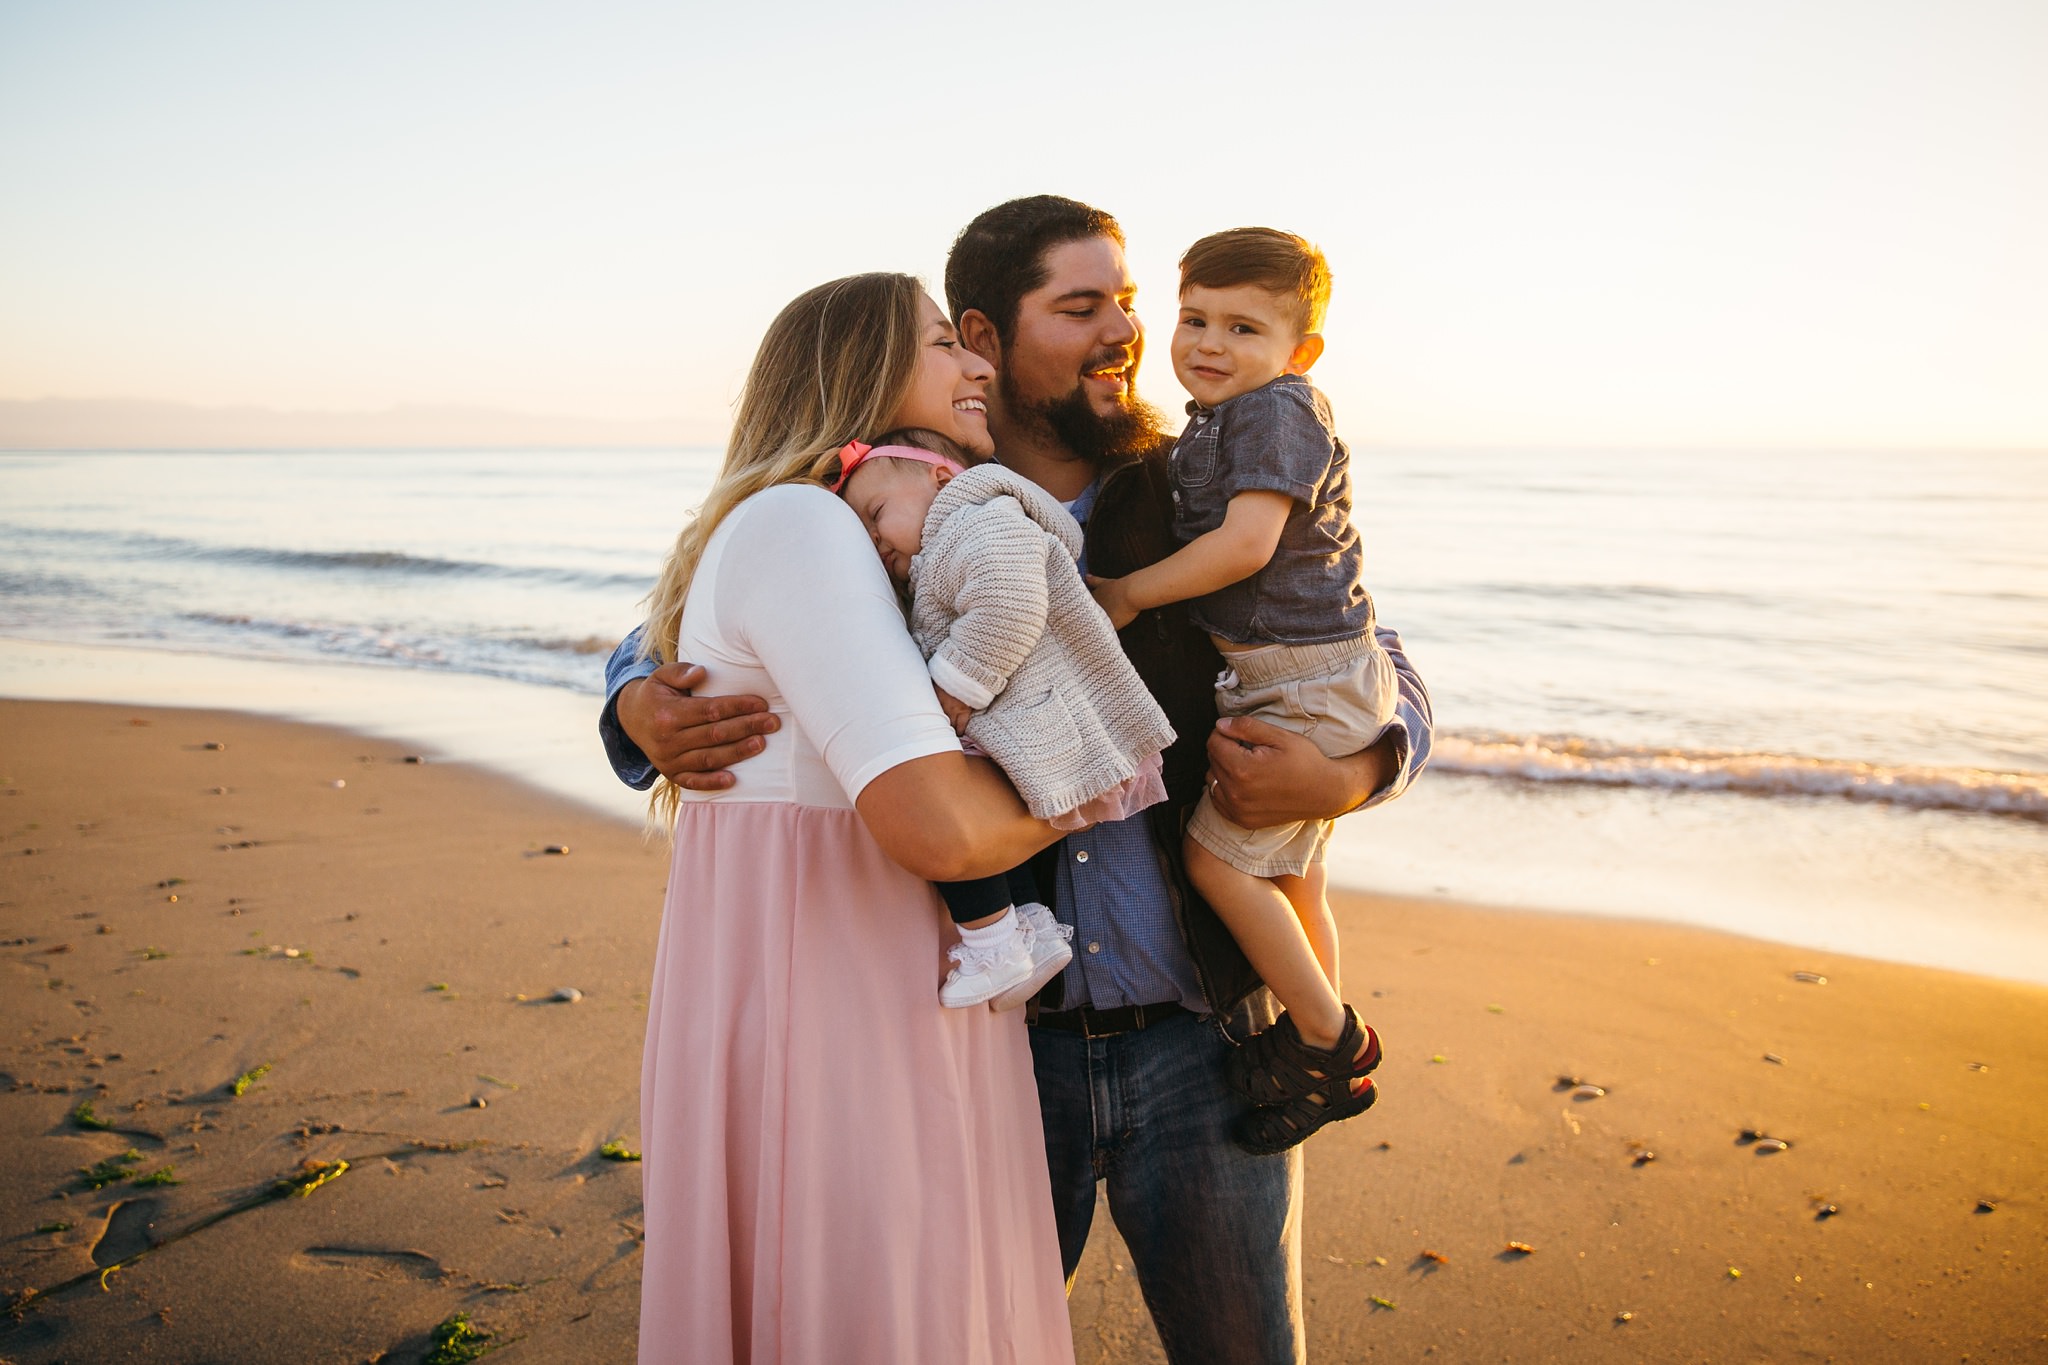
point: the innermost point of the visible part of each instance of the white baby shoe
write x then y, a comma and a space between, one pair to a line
1045, 940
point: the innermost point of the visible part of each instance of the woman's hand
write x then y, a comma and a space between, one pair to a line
957, 711
1114, 599
692, 740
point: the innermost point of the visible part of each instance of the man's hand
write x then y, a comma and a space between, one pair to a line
957, 711
1114, 599
692, 740
1262, 775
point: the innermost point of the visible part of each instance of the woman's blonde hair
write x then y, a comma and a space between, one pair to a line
834, 367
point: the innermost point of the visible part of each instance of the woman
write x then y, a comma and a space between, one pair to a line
836, 1168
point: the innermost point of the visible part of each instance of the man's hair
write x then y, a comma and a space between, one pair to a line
1289, 266
1000, 257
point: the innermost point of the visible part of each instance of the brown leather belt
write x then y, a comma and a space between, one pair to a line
1094, 1023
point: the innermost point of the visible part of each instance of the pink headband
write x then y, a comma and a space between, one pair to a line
854, 454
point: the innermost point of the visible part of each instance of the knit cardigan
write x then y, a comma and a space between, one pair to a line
1001, 613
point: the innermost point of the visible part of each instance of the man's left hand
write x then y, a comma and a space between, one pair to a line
1263, 775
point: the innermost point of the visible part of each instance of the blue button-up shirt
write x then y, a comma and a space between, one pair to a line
1128, 948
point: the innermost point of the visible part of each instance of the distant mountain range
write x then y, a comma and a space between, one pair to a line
142, 424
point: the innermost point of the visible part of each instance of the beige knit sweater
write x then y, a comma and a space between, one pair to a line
1000, 610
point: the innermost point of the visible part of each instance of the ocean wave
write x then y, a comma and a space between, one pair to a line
146, 546
1571, 759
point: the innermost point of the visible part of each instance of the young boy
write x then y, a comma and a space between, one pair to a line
1270, 567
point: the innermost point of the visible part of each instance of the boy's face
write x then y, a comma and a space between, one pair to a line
892, 498
1231, 341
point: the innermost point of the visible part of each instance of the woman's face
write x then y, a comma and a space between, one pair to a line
949, 388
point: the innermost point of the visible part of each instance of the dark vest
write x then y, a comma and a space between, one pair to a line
1130, 527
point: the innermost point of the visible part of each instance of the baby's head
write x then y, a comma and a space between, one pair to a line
892, 483
1251, 310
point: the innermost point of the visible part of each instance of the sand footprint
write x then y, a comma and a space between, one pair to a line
376, 1262
128, 1231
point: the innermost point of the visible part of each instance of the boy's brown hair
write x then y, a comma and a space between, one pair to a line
1289, 266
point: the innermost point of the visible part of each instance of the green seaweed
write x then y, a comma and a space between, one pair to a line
457, 1341
242, 1082
163, 1176
83, 1117
617, 1151
109, 1172
59, 1226
310, 1177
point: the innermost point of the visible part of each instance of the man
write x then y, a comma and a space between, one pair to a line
1129, 1042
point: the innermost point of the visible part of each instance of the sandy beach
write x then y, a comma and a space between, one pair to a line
247, 951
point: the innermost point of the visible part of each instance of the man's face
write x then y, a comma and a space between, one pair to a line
1077, 333
1070, 367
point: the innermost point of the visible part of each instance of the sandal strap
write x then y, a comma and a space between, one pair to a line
1277, 1066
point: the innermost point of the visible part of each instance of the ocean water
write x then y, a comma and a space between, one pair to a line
1796, 694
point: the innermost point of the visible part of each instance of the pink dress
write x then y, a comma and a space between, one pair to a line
837, 1168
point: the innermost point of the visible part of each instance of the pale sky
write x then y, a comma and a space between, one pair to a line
1795, 222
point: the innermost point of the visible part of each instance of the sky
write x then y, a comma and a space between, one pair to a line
1793, 223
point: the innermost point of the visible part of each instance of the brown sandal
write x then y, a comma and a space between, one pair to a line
1276, 1066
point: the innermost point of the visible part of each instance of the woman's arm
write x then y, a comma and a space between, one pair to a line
801, 585
949, 818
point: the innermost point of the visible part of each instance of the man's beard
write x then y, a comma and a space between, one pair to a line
1134, 429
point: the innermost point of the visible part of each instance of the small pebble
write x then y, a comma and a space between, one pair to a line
1624, 1317
1645, 1157
1826, 1211
568, 995
478, 1102
1986, 1206
1521, 1248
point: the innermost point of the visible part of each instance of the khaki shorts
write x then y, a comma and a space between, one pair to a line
1340, 695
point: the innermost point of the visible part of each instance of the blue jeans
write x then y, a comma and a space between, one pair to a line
1214, 1232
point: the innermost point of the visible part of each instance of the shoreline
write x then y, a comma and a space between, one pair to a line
1817, 873
388, 947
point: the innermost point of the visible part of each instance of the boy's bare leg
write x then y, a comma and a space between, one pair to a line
1275, 940
1308, 894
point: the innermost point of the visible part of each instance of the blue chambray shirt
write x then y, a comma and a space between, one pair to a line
1111, 887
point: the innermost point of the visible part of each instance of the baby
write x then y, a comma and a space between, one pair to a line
1025, 665
1270, 567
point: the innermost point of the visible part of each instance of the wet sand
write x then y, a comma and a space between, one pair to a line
175, 916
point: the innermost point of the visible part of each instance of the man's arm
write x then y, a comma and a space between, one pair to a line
651, 723
1264, 775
